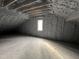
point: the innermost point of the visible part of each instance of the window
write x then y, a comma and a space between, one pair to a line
40, 25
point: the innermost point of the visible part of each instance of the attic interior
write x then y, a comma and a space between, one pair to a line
39, 29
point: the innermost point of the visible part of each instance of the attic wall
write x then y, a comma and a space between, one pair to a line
10, 19
55, 27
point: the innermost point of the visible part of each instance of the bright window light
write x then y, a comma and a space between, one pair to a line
40, 25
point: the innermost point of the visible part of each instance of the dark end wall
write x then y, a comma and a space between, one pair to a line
55, 27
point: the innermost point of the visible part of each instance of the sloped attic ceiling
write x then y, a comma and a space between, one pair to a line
15, 12
64, 8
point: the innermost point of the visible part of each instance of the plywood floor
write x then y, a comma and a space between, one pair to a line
34, 48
